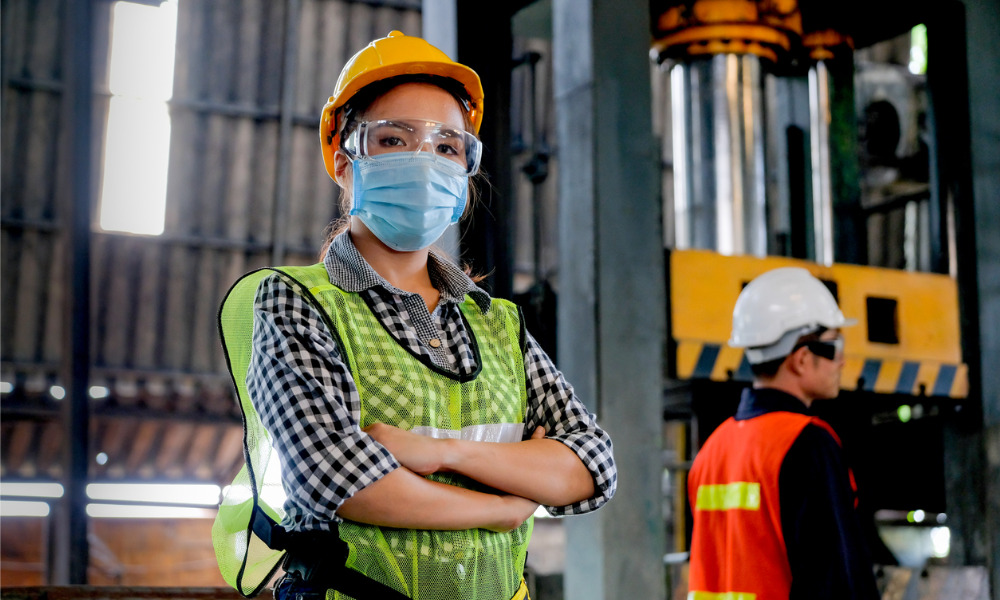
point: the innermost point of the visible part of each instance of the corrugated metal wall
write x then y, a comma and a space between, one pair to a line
246, 188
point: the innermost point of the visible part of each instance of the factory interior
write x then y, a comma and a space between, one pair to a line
645, 160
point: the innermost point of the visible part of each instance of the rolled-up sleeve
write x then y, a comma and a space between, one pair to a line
553, 405
306, 398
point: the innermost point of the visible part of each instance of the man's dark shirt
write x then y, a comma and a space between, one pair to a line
825, 547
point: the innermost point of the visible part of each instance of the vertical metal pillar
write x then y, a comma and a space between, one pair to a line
822, 185
837, 225
289, 81
719, 177
72, 552
787, 158
439, 26
849, 229
485, 43
612, 299
963, 74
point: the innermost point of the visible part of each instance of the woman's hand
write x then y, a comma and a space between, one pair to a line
516, 510
419, 453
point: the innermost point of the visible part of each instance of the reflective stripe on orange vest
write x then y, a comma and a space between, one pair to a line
721, 596
730, 496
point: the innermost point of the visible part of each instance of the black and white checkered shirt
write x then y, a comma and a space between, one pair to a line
306, 397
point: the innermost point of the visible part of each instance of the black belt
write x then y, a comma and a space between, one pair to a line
318, 558
327, 570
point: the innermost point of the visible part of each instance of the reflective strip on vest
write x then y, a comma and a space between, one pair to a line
721, 596
504, 433
739, 495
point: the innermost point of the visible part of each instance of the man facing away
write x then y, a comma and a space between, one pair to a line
772, 498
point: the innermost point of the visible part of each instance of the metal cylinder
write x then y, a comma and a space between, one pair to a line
718, 138
822, 183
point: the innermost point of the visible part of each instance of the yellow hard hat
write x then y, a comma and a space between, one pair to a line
391, 56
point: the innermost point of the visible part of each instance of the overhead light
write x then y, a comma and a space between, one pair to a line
156, 493
23, 508
35, 489
140, 511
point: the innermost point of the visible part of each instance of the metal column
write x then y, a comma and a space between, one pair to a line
485, 43
282, 180
718, 124
72, 552
837, 224
612, 299
439, 26
822, 184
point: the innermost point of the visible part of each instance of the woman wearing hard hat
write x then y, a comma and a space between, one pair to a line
384, 377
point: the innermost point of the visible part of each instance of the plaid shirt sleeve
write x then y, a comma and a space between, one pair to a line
553, 405
306, 398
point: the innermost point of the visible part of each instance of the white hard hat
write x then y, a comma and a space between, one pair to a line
778, 307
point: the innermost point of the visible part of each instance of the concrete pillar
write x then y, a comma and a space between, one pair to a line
439, 26
611, 284
983, 59
963, 55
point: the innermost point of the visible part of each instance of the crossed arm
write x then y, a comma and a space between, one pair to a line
532, 472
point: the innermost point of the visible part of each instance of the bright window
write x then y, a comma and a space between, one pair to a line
137, 147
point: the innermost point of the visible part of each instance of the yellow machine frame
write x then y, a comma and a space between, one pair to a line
926, 361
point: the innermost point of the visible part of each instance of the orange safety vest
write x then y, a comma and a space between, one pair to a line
737, 548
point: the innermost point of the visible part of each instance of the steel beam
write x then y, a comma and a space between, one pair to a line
282, 184
72, 548
611, 278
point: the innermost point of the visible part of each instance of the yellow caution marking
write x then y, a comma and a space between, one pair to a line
721, 596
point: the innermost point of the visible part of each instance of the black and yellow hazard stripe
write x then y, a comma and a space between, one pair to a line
718, 362
906, 342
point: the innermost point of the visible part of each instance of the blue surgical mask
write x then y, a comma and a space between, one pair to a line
408, 199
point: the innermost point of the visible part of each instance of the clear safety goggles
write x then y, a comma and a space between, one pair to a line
372, 138
828, 349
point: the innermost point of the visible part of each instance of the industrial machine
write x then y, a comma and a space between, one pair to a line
770, 170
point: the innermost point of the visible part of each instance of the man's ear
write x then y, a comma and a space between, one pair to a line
342, 166
797, 360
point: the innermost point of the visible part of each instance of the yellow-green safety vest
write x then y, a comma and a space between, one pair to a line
489, 404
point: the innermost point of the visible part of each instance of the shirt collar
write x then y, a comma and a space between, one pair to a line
349, 271
759, 401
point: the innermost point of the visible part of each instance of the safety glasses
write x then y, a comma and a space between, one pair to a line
372, 138
828, 349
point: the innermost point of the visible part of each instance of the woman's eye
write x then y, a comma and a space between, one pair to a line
447, 150
391, 141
